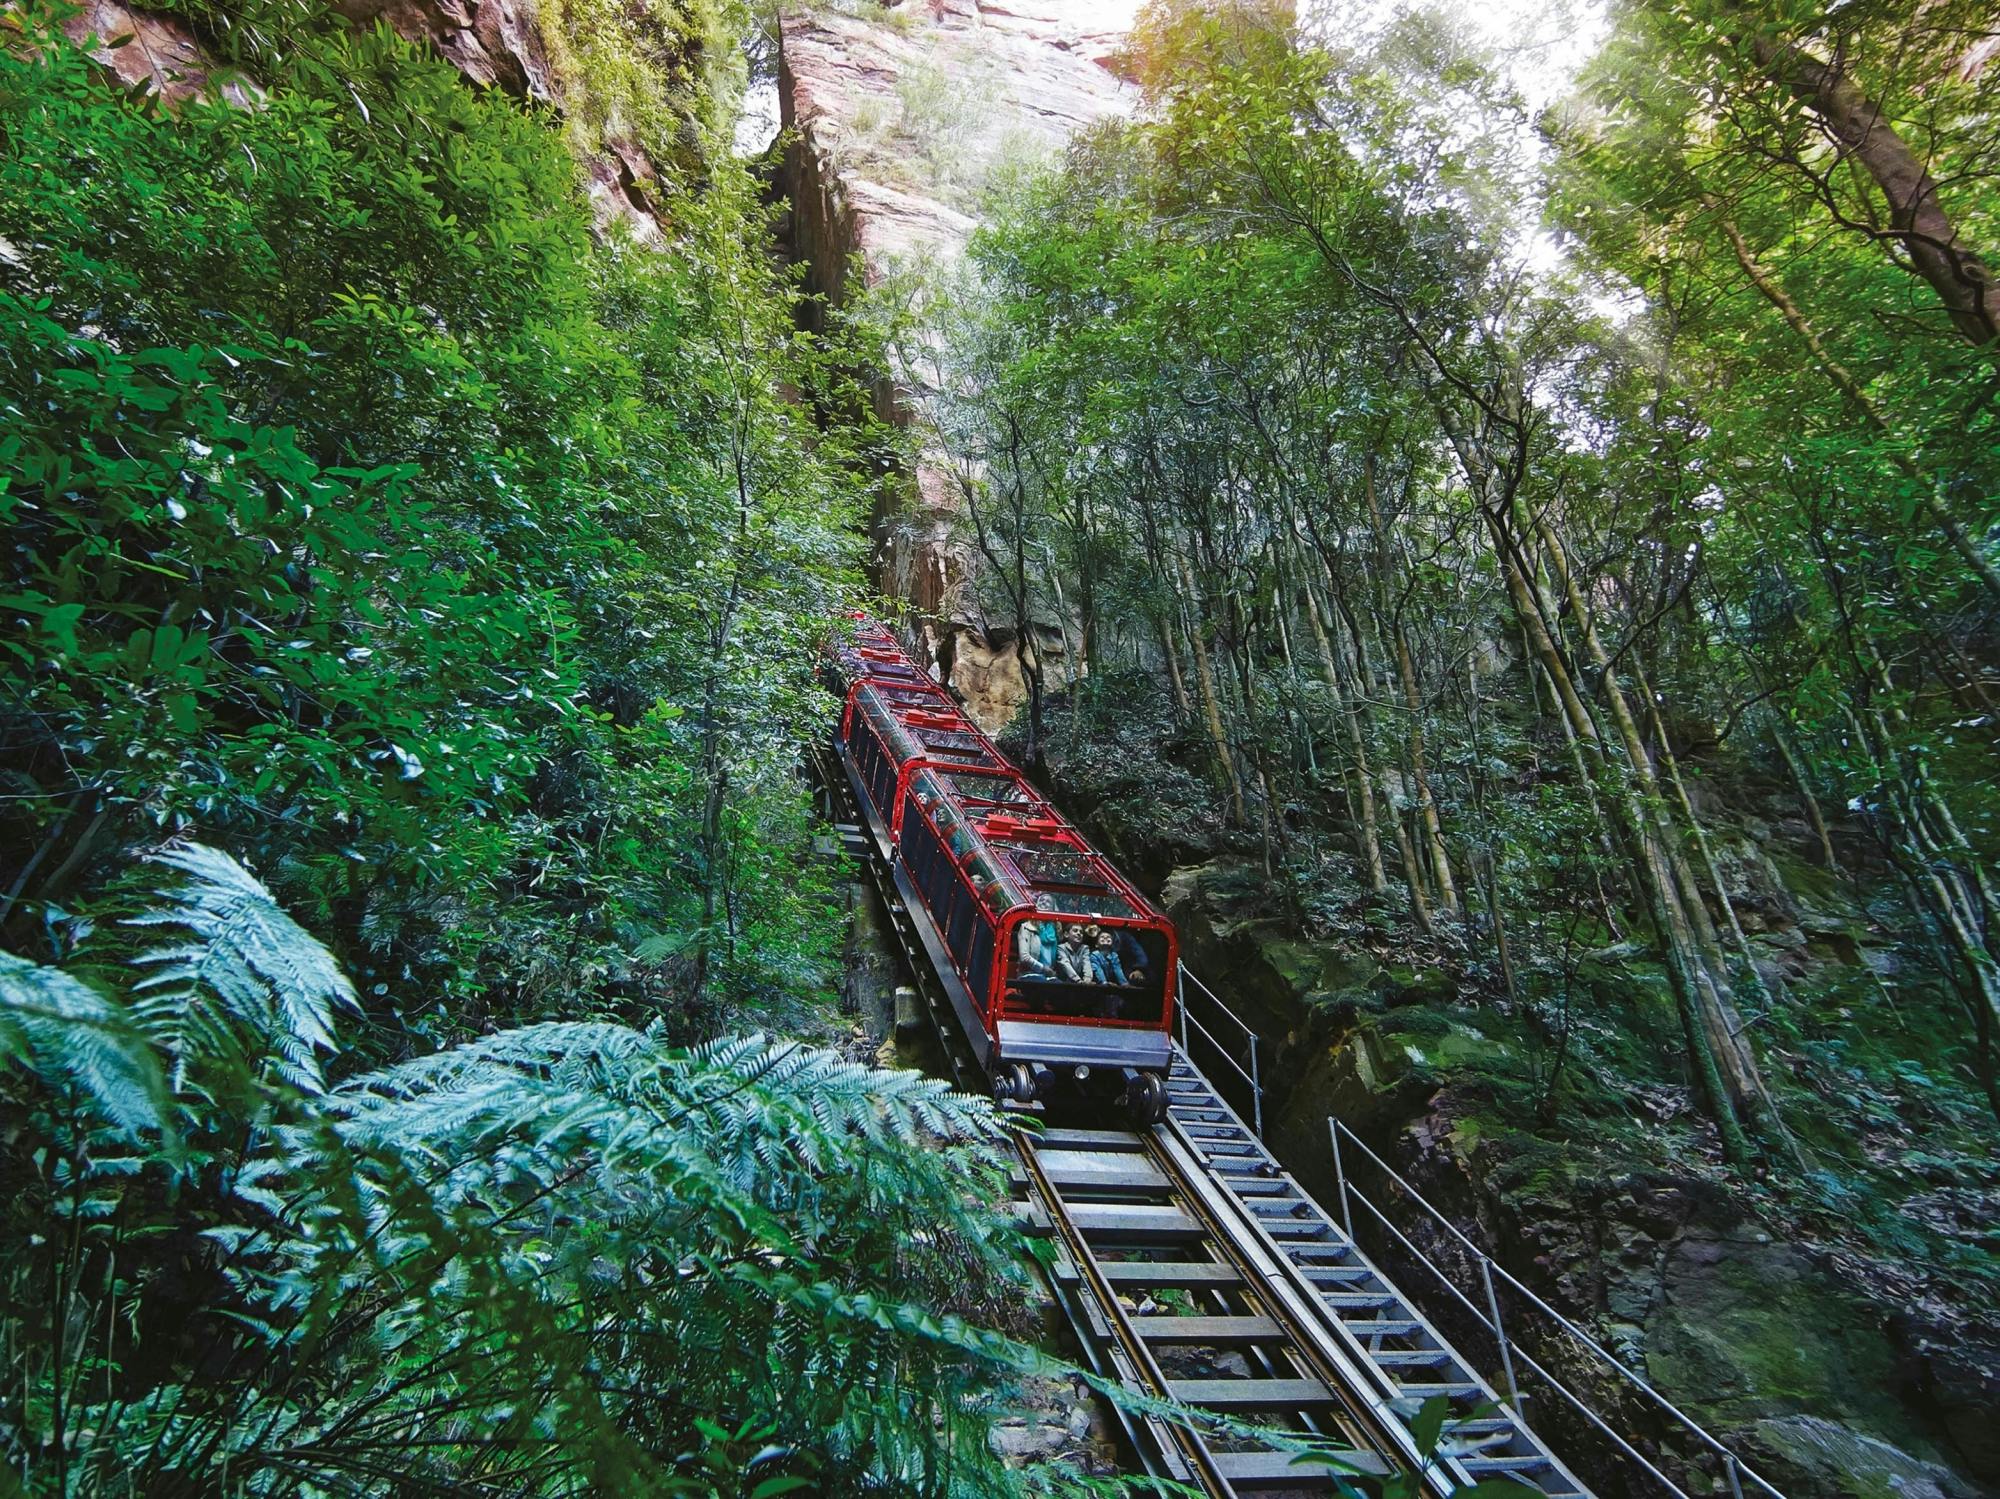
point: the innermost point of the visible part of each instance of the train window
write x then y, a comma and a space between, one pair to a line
946, 744
1091, 903
1127, 982
1071, 880
1001, 793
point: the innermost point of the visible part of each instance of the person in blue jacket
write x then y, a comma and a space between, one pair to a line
1131, 956
1104, 957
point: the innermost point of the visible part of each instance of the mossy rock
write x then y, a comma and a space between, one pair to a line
1836, 1459
1406, 984
1751, 1330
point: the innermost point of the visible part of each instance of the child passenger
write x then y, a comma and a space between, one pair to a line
1104, 958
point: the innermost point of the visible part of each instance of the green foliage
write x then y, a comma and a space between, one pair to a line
372, 517
62, 1029
567, 1256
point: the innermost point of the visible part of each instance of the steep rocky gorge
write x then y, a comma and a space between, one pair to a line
1781, 1316
1784, 1315
897, 116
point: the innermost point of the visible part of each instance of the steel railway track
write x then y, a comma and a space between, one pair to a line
1194, 1268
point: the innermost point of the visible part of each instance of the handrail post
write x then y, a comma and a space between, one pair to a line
1500, 1335
1340, 1176
1256, 1087
1735, 1480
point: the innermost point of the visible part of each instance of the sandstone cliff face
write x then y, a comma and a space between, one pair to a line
493, 43
900, 113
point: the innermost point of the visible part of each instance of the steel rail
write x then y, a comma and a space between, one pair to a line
1361, 1423
1192, 1447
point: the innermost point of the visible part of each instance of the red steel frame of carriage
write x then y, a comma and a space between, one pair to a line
978, 851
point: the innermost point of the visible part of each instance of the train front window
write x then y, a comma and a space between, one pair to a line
1075, 969
1066, 880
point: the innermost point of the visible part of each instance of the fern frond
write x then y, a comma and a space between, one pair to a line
249, 968
58, 1025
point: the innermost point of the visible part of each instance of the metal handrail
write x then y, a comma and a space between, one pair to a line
1735, 1470
1254, 1076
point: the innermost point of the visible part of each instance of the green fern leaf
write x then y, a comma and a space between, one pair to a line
250, 974
59, 1025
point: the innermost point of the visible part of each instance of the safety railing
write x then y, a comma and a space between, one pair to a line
1732, 1470
1243, 1060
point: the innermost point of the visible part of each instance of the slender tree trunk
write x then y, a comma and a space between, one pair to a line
1413, 701
1183, 709
1691, 995
1938, 253
1211, 707
1804, 787
1370, 837
1680, 896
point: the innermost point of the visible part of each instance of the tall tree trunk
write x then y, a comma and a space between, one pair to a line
1691, 996
1680, 896
1954, 269
1369, 835
1211, 707
1413, 700
1804, 787
1183, 709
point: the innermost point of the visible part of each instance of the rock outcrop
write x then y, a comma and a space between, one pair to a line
898, 114
158, 50
493, 43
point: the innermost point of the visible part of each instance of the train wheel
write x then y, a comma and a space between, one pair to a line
1016, 1083
1147, 1099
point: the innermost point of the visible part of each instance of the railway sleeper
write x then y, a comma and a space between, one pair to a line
1252, 1472
1306, 1396
1107, 1224
1209, 1332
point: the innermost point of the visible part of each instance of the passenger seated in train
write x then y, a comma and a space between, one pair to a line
1131, 956
1037, 948
1104, 958
1073, 960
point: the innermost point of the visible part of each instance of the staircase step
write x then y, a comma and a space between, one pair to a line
1260, 1186
1335, 1275
1297, 1228
1524, 1462
1410, 1358
1425, 1391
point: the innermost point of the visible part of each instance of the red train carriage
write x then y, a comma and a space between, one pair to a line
1061, 973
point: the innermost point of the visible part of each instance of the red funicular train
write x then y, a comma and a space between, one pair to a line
1061, 973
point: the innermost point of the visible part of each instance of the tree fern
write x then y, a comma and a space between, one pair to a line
558, 1259
248, 979
59, 1026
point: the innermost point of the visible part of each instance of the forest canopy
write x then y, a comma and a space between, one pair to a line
1483, 552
